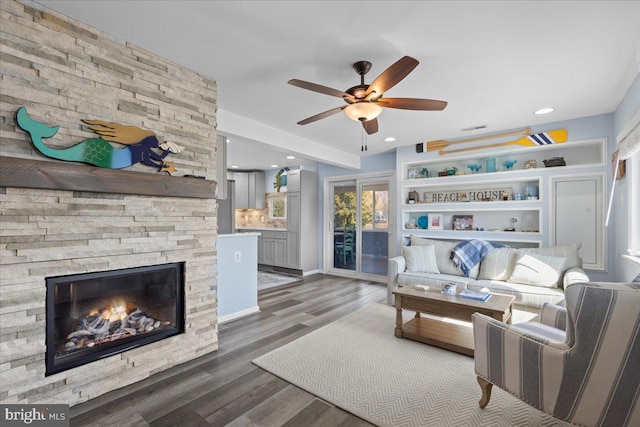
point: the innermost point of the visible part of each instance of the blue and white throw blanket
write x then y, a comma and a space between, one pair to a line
467, 254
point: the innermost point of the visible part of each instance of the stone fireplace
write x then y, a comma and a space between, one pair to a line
62, 220
95, 315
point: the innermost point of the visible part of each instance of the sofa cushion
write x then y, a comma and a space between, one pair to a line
498, 264
443, 256
420, 259
537, 270
434, 281
570, 252
528, 295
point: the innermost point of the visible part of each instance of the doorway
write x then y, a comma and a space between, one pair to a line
359, 236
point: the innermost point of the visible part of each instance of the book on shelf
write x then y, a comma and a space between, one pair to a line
475, 295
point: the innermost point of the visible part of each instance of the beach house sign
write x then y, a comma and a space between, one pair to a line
479, 195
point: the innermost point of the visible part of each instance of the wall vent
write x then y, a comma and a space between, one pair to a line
474, 128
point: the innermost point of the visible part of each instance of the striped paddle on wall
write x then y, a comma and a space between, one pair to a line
542, 138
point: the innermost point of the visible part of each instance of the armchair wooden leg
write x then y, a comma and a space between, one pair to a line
486, 391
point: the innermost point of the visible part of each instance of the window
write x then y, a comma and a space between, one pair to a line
629, 150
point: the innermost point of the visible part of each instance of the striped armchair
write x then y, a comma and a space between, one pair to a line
580, 364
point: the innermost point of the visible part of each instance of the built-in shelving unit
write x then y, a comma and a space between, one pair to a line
492, 199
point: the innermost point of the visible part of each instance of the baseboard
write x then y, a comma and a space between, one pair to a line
310, 273
238, 314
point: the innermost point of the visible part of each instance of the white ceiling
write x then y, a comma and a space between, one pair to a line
247, 154
495, 62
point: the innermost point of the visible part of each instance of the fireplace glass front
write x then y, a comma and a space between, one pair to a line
96, 315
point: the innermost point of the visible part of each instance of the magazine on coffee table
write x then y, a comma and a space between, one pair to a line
475, 295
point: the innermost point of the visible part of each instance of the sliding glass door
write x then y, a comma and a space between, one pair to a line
359, 231
343, 236
374, 227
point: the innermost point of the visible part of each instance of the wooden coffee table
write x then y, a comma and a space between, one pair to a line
442, 327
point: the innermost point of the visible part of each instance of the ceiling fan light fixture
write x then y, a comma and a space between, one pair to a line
362, 111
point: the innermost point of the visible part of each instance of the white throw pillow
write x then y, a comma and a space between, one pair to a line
570, 252
443, 255
420, 259
537, 270
498, 264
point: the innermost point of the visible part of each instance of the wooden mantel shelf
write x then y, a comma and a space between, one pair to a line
27, 173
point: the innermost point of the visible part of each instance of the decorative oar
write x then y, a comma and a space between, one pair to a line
440, 143
543, 138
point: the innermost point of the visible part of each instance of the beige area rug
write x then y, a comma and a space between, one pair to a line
268, 280
357, 364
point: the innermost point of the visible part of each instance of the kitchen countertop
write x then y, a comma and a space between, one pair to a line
245, 234
261, 228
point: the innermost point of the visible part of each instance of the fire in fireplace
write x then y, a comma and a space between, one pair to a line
95, 315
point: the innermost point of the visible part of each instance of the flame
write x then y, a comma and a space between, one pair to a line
116, 310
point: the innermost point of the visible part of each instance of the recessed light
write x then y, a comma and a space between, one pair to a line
389, 139
228, 140
235, 167
274, 166
291, 157
545, 110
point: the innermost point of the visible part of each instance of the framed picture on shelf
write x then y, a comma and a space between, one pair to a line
462, 222
435, 221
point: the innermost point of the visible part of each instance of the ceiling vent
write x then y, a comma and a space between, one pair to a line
474, 128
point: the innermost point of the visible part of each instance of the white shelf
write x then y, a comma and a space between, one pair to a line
475, 206
513, 239
576, 154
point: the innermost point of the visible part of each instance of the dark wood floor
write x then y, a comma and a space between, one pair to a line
224, 387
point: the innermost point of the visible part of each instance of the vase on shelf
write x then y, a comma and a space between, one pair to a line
474, 168
508, 164
531, 192
491, 164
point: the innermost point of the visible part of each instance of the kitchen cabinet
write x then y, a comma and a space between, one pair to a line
249, 189
272, 248
297, 247
302, 220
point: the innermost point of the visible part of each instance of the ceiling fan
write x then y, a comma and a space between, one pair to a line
365, 102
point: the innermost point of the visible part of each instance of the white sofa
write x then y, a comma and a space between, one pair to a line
533, 275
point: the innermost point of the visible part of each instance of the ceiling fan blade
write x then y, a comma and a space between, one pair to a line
370, 126
391, 76
413, 104
319, 88
321, 115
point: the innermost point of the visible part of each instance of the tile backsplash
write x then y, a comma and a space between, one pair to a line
260, 217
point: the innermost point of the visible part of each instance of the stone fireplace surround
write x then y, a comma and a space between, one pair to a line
62, 71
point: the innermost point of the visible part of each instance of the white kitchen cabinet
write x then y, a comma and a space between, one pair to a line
272, 248
249, 189
302, 220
